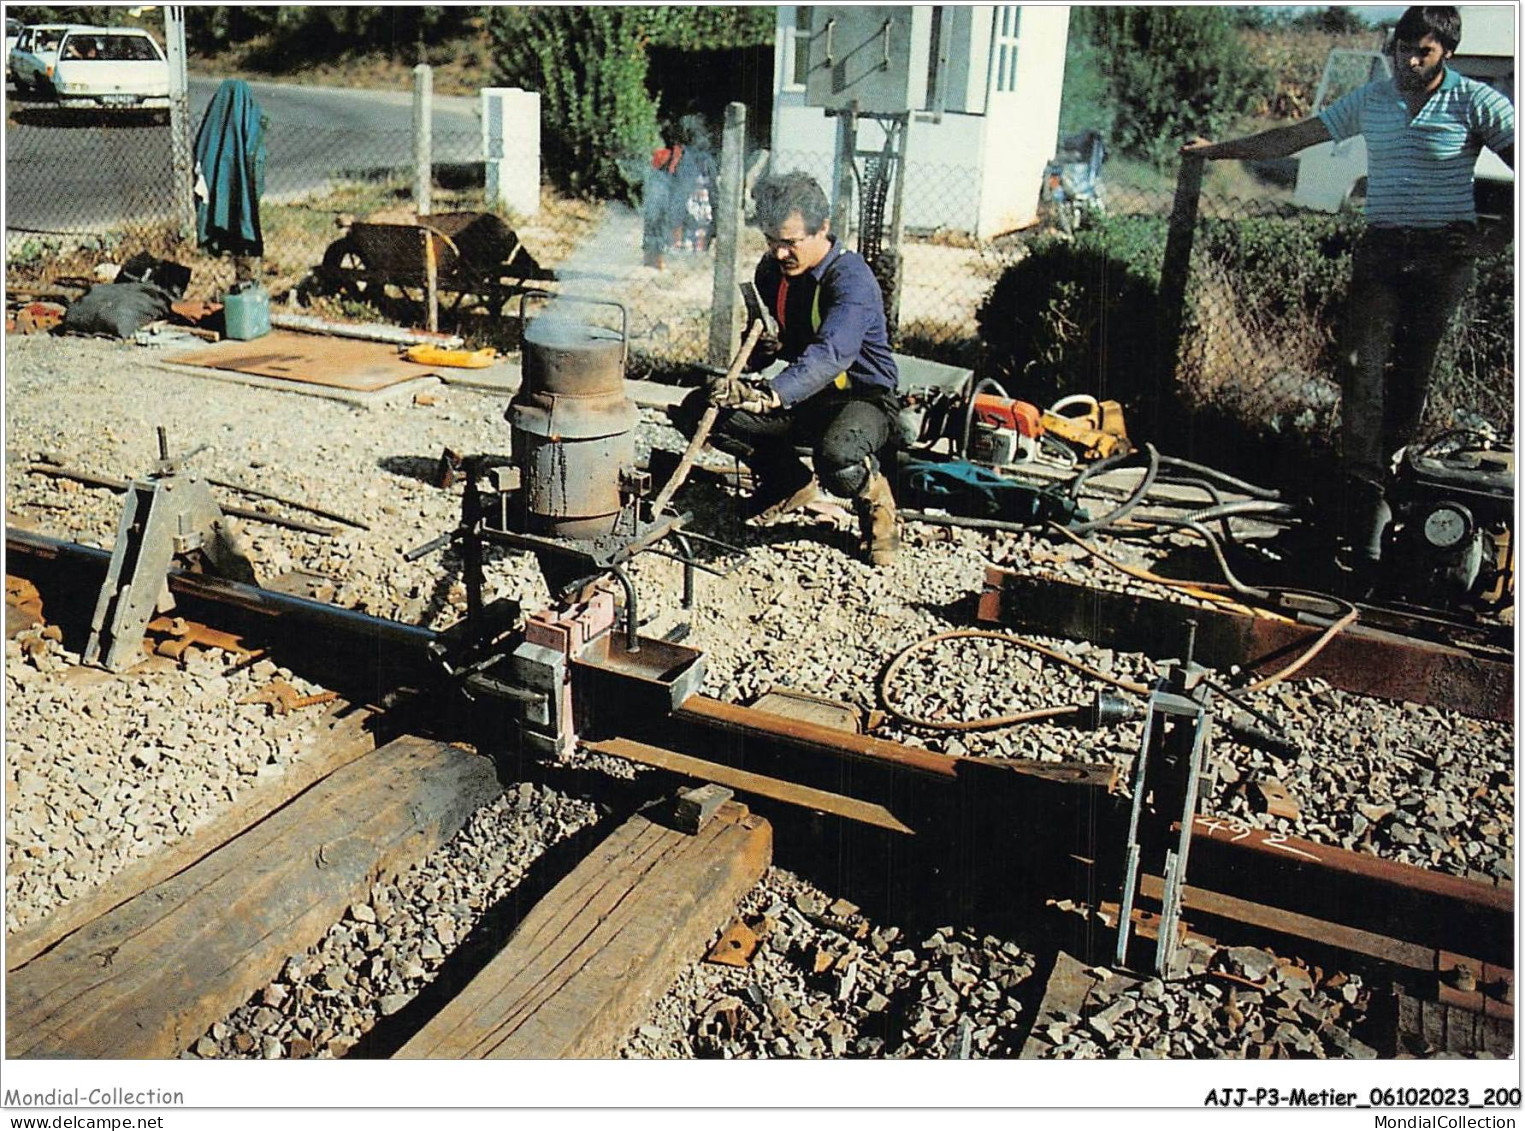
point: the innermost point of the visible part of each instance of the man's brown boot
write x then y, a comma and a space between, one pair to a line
876, 515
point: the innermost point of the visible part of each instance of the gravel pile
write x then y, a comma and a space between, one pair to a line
144, 759
1237, 1003
103, 770
827, 982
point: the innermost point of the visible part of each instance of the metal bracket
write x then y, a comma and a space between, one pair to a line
1167, 781
168, 515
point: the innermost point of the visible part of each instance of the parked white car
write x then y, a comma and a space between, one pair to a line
31, 61
114, 68
1331, 173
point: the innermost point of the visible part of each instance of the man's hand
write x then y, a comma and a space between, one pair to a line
1198, 147
762, 399
743, 395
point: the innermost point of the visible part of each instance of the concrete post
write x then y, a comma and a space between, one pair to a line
511, 149
423, 140
726, 309
182, 171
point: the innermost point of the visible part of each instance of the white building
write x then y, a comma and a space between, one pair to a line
982, 85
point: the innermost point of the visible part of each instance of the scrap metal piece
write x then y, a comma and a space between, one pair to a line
446, 470
185, 635
283, 698
23, 606
693, 808
1271, 796
736, 946
812, 709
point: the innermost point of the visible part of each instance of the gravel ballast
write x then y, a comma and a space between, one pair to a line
104, 770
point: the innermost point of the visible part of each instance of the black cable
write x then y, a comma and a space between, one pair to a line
1206, 486
1213, 544
1131, 503
1222, 477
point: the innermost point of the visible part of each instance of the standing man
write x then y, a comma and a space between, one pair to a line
1424, 128
838, 393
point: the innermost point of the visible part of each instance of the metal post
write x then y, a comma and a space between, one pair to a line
423, 146
847, 176
182, 173
725, 309
431, 280
1175, 270
897, 226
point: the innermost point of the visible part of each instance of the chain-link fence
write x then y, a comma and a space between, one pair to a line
1262, 310
1257, 311
83, 193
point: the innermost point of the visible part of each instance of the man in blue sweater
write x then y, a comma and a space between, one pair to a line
1424, 128
837, 394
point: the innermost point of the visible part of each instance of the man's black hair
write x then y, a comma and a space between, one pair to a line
1443, 23
779, 195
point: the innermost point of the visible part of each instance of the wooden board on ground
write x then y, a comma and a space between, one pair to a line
147, 979
758, 785
340, 739
584, 967
313, 359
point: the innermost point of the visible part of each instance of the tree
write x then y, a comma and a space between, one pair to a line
589, 65
1175, 72
294, 35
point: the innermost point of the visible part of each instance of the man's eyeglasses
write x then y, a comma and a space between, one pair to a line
774, 243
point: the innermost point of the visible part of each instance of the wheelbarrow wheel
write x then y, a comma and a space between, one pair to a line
345, 270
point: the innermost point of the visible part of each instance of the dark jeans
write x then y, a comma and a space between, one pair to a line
842, 430
1405, 286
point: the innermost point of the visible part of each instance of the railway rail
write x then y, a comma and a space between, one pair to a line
1033, 846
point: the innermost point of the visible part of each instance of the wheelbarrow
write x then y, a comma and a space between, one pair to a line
468, 254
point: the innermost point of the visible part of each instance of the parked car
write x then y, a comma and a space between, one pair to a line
1331, 173
35, 53
13, 28
114, 68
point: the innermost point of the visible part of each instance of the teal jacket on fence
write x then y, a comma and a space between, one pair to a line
230, 172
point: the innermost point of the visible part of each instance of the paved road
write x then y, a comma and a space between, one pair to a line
71, 173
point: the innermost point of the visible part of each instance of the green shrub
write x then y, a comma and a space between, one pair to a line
1476, 372
589, 65
1079, 315
1175, 72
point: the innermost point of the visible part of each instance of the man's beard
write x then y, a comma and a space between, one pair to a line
1412, 82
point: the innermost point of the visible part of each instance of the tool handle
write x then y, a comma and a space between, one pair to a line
706, 422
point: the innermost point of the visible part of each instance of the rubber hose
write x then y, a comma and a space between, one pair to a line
991, 722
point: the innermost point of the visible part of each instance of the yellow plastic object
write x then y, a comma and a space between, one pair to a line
455, 359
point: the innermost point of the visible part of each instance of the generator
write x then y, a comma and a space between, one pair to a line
1451, 541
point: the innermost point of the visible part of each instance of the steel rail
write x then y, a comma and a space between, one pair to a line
1053, 811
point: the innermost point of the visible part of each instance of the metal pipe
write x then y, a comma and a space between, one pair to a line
632, 641
687, 550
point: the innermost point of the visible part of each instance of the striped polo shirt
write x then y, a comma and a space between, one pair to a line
1419, 173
